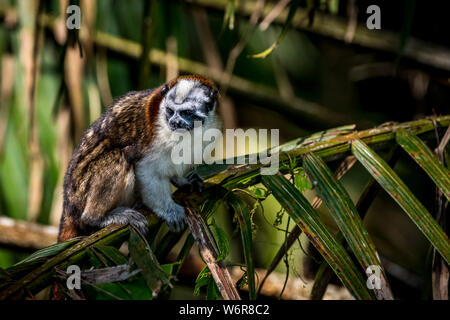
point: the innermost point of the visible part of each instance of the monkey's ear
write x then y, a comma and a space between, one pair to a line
213, 93
164, 90
213, 96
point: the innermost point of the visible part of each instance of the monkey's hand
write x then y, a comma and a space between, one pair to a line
175, 218
191, 183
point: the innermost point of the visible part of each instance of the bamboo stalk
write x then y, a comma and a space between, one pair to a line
264, 95
146, 43
336, 28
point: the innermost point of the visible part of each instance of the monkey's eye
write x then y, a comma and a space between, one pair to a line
164, 90
169, 112
186, 113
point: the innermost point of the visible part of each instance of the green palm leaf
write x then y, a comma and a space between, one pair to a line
426, 159
397, 189
311, 224
346, 217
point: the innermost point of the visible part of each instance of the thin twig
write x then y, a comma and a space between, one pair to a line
286, 261
352, 11
212, 56
237, 49
275, 12
146, 43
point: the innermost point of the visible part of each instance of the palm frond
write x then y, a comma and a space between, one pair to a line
36, 272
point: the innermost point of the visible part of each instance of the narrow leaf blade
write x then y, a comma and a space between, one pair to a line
243, 215
311, 224
346, 217
397, 189
49, 251
146, 261
426, 159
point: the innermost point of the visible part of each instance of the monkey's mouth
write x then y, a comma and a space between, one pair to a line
180, 126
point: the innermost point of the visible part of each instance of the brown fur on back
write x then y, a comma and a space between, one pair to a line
103, 160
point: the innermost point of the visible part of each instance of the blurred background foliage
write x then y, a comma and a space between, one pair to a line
328, 70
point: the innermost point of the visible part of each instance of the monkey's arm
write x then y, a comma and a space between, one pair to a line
156, 194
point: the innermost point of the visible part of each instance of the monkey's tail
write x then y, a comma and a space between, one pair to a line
68, 229
55, 293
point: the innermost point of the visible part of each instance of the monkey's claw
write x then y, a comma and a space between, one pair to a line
195, 182
175, 218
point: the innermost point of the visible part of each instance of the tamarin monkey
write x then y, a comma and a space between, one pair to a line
123, 161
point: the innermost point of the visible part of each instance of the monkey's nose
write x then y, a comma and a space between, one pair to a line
176, 123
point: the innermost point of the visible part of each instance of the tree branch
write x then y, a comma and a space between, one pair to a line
24, 235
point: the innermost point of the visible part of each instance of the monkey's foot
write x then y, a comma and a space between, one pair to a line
125, 216
175, 218
191, 183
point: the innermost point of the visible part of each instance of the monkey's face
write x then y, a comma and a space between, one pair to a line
187, 101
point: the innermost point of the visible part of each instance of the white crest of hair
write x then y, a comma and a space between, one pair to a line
184, 86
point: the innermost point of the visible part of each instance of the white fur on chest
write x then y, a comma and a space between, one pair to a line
158, 160
159, 164
155, 170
